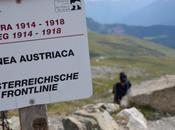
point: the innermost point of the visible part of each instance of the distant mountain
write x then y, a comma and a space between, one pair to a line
162, 34
158, 12
132, 12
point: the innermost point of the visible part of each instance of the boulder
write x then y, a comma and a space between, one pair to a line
109, 107
92, 117
158, 94
74, 122
14, 123
125, 102
55, 122
103, 119
71, 123
135, 119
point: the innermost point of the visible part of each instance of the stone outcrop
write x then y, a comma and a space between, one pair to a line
135, 119
92, 117
109, 107
158, 94
167, 123
14, 123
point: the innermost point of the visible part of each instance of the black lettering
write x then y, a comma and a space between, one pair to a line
31, 88
57, 54
4, 36
31, 81
40, 80
47, 79
55, 87
62, 77
45, 88
4, 27
7, 60
35, 90
35, 57
48, 55
56, 78
29, 57
5, 85
1, 61
42, 55
4, 93
10, 93
71, 53
75, 75
24, 82
11, 84
64, 53
24, 91
17, 92
13, 60
22, 59
17, 83
69, 77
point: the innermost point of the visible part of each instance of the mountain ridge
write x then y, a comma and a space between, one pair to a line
126, 46
161, 34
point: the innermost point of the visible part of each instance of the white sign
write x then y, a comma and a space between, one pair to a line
44, 56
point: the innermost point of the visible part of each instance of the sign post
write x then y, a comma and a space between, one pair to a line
33, 118
44, 57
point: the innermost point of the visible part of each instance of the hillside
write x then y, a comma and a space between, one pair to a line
161, 34
140, 59
126, 46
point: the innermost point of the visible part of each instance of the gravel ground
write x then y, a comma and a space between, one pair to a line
163, 124
55, 124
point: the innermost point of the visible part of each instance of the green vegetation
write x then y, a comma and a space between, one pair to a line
125, 46
140, 59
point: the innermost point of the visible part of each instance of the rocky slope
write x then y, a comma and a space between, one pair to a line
158, 94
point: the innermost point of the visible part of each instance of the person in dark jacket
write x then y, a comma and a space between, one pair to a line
121, 88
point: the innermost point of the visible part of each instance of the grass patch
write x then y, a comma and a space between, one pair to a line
150, 113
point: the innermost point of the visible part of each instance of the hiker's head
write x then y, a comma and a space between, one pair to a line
123, 77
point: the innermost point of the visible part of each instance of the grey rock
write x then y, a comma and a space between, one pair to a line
74, 122
135, 119
14, 123
158, 94
109, 107
55, 123
92, 117
103, 118
162, 124
71, 123
125, 102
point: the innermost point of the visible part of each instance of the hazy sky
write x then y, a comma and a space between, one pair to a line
120, 7
101, 10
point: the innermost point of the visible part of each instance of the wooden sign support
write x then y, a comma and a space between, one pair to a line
18, 1
34, 118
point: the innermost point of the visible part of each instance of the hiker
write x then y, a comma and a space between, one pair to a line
121, 88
